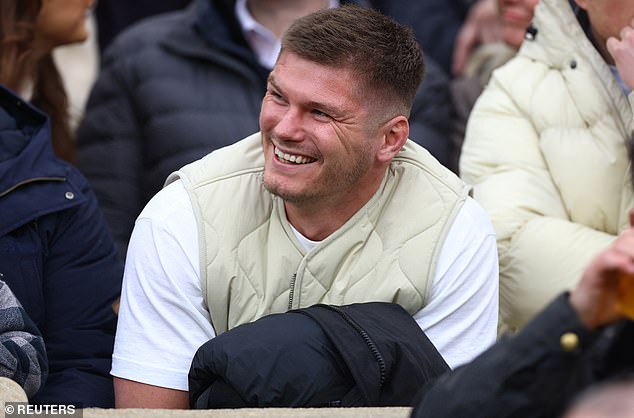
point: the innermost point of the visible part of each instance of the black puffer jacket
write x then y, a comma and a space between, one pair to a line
533, 374
367, 354
176, 87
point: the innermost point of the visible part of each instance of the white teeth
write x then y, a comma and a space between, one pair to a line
297, 159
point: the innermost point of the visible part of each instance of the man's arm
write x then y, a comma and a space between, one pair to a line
162, 318
131, 394
460, 317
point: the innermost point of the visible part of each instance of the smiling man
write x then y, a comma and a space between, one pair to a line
329, 203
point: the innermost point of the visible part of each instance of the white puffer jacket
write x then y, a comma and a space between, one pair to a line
545, 150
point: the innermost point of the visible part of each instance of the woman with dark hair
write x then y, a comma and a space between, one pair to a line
56, 254
29, 31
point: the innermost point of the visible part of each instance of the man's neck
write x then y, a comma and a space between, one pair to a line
315, 225
277, 15
319, 218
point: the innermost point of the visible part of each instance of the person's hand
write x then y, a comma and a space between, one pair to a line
594, 298
481, 26
622, 50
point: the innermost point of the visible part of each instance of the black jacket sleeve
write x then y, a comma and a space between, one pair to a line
534, 373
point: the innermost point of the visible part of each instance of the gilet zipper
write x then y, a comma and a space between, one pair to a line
292, 291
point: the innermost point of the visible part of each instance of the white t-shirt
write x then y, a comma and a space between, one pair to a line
163, 319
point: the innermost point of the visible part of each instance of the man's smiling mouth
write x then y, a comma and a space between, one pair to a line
292, 158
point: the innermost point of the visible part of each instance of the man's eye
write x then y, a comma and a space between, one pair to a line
319, 114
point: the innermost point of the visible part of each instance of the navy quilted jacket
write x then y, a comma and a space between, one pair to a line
58, 258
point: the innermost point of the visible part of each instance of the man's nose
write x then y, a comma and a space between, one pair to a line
290, 127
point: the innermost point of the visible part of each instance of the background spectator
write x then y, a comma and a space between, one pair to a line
56, 253
447, 29
22, 352
515, 17
546, 152
78, 64
113, 16
26, 63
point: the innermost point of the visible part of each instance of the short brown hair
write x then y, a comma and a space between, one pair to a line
384, 53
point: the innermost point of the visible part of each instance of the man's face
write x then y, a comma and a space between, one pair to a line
318, 137
607, 17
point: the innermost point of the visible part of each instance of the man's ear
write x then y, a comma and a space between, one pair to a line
395, 133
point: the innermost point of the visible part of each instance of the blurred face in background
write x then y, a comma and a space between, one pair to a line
62, 22
516, 16
607, 18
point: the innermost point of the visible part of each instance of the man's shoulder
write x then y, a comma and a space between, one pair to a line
474, 219
170, 202
417, 159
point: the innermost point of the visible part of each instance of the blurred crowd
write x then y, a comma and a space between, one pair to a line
145, 148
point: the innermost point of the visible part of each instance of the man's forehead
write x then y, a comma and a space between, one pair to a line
308, 76
329, 99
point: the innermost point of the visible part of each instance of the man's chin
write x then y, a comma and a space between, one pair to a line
289, 196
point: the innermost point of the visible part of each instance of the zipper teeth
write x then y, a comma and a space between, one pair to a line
292, 291
375, 351
31, 180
